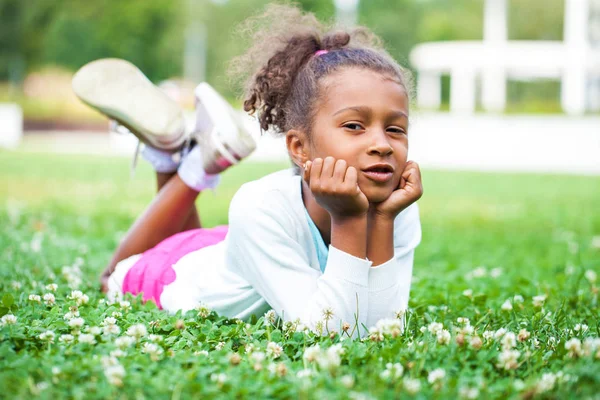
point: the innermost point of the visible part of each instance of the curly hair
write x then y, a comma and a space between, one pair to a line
283, 88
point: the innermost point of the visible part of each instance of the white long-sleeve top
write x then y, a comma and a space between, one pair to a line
269, 260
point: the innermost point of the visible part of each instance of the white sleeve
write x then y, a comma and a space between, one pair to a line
263, 248
389, 283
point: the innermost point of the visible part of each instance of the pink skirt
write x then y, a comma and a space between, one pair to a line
154, 269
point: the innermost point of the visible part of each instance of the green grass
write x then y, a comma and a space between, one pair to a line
535, 232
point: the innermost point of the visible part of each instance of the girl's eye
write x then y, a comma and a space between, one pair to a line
397, 130
353, 126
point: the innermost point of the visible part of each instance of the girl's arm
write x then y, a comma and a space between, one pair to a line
267, 248
389, 283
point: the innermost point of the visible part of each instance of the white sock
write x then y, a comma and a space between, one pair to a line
191, 171
162, 161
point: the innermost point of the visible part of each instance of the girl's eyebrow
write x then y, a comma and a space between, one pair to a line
365, 109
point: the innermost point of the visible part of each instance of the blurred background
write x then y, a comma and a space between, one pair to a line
501, 84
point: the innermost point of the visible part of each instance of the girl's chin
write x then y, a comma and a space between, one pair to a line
378, 195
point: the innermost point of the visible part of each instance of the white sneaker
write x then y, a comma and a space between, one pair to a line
122, 92
219, 131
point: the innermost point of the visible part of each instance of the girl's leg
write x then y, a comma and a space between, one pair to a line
193, 220
170, 212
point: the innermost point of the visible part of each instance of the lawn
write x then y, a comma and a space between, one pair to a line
504, 300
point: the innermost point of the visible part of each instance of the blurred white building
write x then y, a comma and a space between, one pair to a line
575, 61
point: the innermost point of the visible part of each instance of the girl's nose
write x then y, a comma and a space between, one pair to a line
380, 145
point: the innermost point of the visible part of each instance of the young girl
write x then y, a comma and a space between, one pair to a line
333, 235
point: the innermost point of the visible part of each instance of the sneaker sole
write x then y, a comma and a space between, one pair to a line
228, 141
121, 91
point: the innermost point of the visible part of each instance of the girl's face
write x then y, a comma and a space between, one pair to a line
363, 119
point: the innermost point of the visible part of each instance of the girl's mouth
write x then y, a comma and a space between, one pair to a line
380, 173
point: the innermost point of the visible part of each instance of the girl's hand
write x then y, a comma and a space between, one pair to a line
335, 187
409, 190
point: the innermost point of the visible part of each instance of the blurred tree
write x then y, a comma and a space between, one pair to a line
70, 33
535, 19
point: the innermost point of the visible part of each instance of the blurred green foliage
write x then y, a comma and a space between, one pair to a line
151, 34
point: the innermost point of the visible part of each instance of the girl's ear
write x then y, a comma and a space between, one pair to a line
297, 145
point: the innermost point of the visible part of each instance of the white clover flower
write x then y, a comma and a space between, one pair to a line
507, 359
392, 371
390, 326
137, 331
110, 329
574, 347
35, 297
467, 330
595, 243
330, 359
487, 335
508, 341
270, 317
47, 336
125, 305
76, 322
117, 353
496, 272
8, 319
412, 386
70, 315
443, 337
590, 345
155, 338
203, 310
108, 361
258, 356
468, 293
53, 287
347, 381
87, 338
49, 299
274, 350
75, 294
304, 373
220, 379
375, 334
538, 301
476, 342
327, 313
312, 353
500, 333
201, 353
518, 298
435, 327
591, 276
116, 314
581, 327
220, 346
468, 393
546, 383
115, 374
95, 330
109, 321
249, 348
400, 313
463, 320
153, 350
523, 335
506, 306
124, 341
16, 285
436, 375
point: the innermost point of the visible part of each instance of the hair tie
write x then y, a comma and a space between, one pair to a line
320, 52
